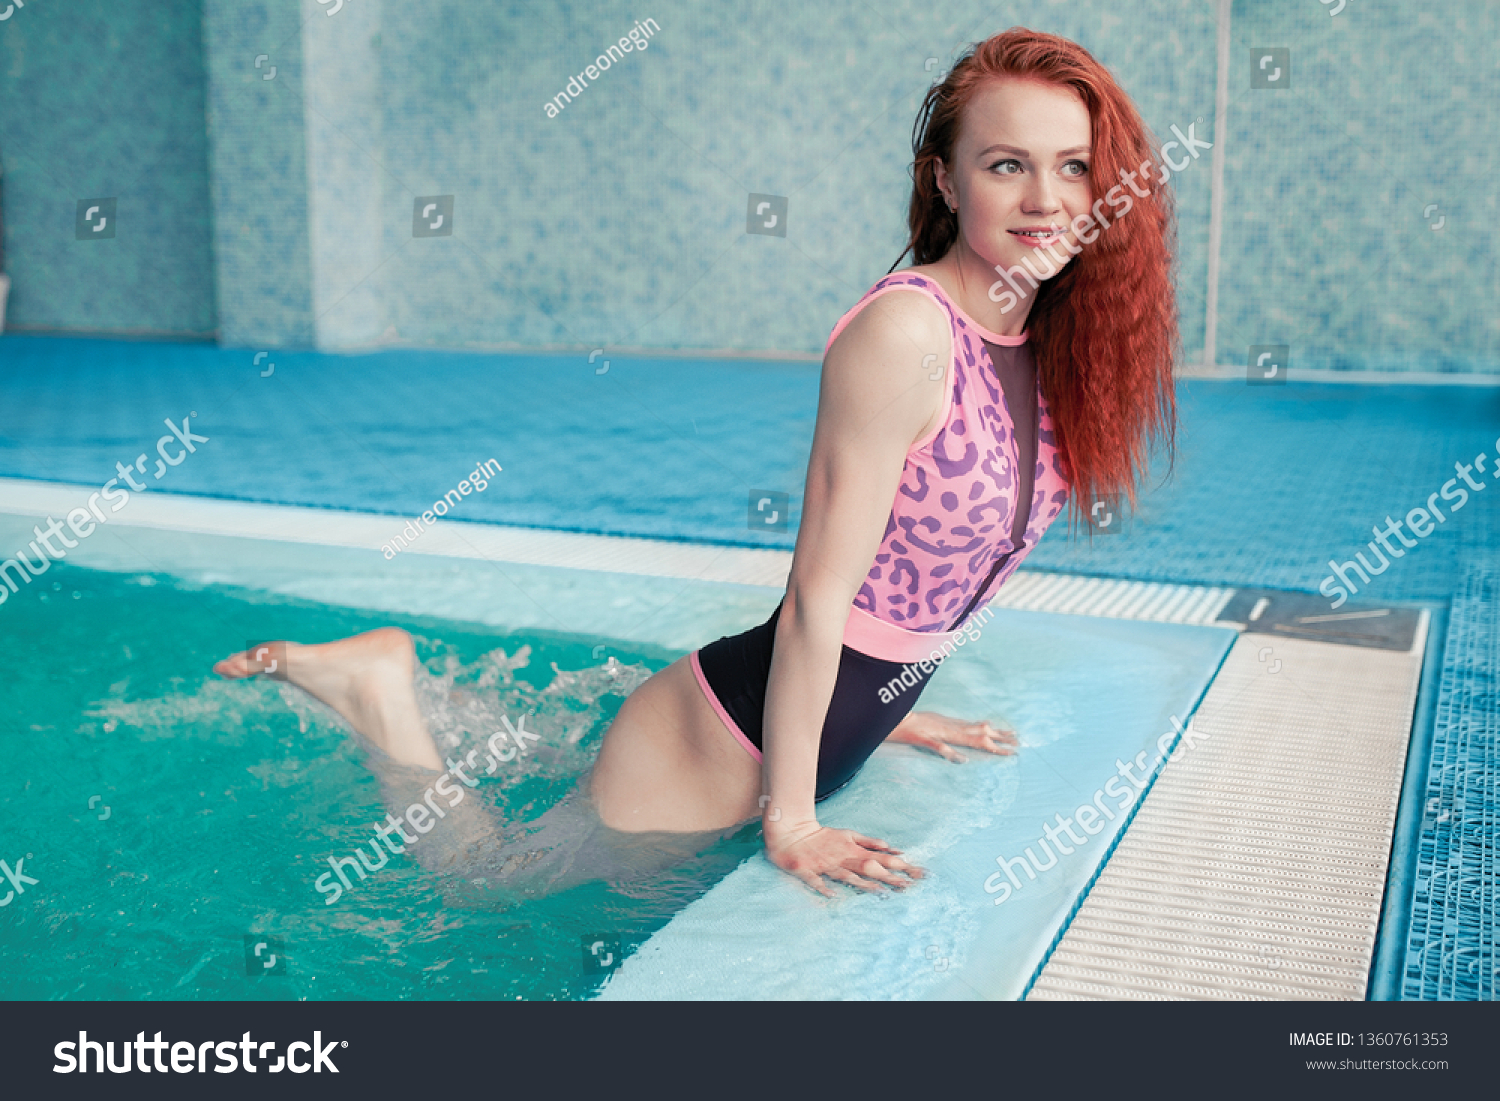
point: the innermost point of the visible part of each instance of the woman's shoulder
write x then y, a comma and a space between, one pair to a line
913, 308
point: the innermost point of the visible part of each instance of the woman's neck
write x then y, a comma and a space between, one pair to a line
967, 279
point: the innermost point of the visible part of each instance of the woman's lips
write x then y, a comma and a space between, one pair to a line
1038, 236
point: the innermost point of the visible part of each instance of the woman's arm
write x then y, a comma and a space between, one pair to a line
878, 396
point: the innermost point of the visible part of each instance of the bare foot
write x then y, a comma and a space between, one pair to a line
366, 678
939, 733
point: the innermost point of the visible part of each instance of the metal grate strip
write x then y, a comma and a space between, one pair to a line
1255, 866
1067, 594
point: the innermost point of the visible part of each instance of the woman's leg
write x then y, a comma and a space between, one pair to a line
669, 764
366, 678
652, 760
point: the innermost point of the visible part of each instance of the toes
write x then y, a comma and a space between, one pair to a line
234, 666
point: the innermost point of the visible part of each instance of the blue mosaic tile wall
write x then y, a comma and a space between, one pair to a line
275, 203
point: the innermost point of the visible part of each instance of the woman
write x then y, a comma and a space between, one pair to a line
953, 419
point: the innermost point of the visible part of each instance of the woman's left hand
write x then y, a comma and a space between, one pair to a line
938, 733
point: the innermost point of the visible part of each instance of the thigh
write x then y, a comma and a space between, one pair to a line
668, 762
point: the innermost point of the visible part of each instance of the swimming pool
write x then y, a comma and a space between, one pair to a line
222, 802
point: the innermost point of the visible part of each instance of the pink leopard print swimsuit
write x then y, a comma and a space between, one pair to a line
948, 543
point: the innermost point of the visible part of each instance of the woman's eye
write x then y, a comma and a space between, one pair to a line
1007, 167
1075, 168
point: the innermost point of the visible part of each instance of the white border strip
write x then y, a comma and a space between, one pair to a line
450, 539
1236, 373
1028, 590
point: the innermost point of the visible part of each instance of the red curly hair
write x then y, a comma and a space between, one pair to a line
1103, 330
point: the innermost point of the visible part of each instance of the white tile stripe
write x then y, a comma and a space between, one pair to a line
332, 527
1027, 589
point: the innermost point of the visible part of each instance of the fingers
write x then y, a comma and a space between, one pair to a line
994, 739
872, 843
874, 869
938, 746
866, 863
884, 863
843, 875
815, 881
913, 870
870, 876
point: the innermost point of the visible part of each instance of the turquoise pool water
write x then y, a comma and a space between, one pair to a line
223, 804
225, 800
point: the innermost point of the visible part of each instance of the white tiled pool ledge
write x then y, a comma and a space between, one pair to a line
447, 539
1030, 590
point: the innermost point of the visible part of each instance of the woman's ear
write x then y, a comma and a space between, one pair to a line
944, 184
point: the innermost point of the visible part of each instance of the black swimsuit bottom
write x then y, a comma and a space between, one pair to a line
738, 668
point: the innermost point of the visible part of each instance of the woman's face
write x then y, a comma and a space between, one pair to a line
1020, 172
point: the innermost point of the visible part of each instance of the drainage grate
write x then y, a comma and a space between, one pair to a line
1451, 944
1256, 864
1068, 594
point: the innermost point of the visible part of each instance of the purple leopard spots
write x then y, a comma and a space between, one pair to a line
1000, 506
941, 549
920, 492
949, 501
905, 567
933, 594
948, 468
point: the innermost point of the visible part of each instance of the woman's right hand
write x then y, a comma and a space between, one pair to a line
812, 851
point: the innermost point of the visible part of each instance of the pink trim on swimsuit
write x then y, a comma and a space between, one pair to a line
879, 639
713, 701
